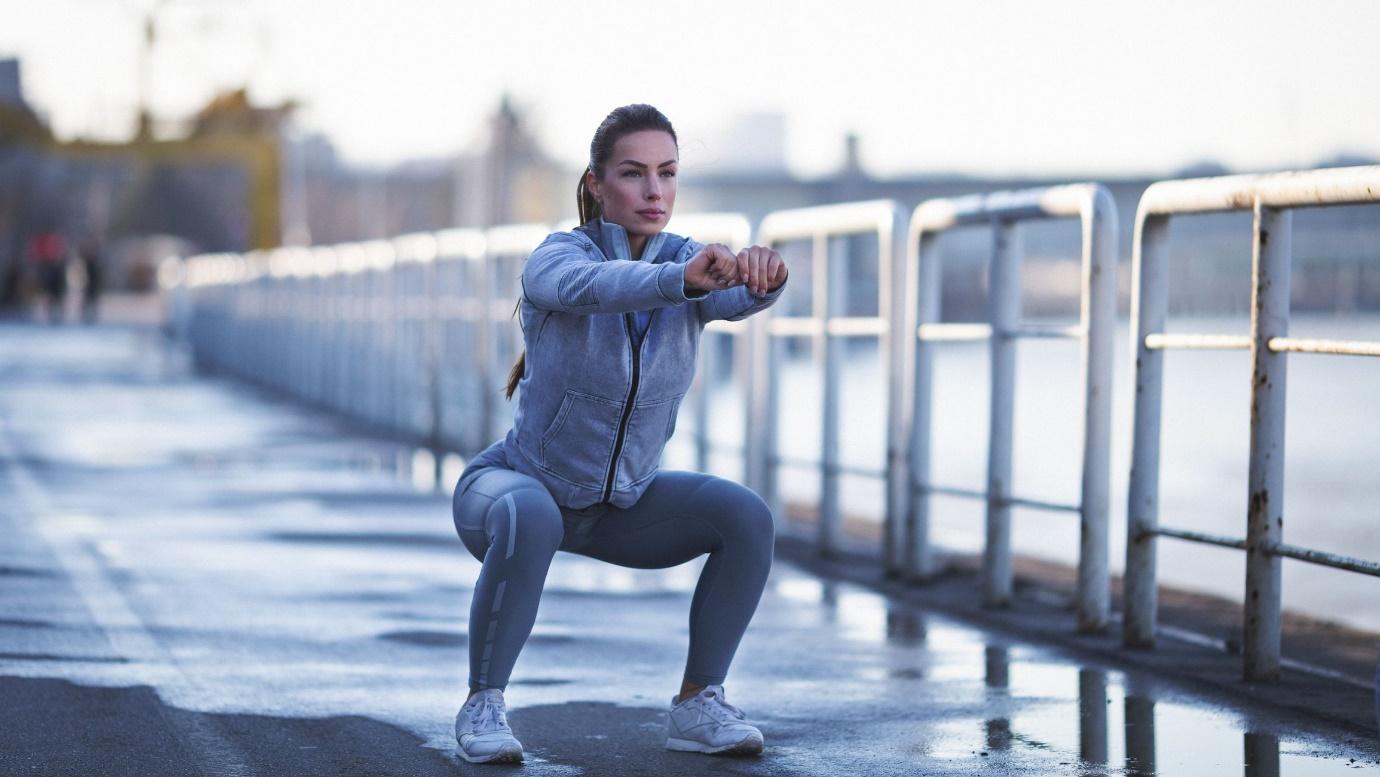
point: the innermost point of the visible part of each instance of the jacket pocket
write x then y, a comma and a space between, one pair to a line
649, 428
577, 444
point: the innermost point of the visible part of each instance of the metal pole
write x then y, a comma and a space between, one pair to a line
926, 310
482, 292
704, 381
1098, 319
768, 408
1149, 304
1004, 292
745, 369
892, 296
1265, 511
431, 363
830, 281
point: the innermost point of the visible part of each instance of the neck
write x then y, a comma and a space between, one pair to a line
635, 245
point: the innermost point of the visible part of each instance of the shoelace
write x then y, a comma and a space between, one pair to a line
717, 705
488, 717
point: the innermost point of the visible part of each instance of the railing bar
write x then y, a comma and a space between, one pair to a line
953, 332
1036, 504
1163, 341
1052, 331
1325, 559
843, 469
970, 493
1338, 347
800, 326
1203, 537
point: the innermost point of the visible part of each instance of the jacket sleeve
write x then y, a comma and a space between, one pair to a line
561, 275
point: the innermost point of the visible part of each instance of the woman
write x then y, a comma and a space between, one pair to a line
611, 315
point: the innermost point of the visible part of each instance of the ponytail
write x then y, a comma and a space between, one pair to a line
515, 375
622, 121
588, 207
519, 367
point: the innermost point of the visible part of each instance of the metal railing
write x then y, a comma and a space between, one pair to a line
825, 326
1271, 199
908, 549
416, 334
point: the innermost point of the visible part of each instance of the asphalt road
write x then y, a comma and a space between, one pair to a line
199, 579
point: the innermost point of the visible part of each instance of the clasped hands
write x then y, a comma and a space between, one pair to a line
716, 267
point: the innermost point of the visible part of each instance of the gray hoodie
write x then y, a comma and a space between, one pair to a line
593, 411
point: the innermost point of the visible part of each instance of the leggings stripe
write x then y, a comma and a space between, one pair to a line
512, 523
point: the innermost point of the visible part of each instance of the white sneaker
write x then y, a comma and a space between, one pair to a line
707, 723
481, 729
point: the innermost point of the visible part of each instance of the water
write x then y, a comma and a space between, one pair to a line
1332, 465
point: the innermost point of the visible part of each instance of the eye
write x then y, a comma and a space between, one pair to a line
632, 173
668, 173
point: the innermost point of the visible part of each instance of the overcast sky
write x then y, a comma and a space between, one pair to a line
1091, 87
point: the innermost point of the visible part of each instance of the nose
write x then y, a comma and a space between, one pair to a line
653, 188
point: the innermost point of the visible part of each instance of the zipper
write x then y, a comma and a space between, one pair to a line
627, 405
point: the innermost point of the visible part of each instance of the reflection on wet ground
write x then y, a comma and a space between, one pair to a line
282, 611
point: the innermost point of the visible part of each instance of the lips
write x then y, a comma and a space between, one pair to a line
652, 213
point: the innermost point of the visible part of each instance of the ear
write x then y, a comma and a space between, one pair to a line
594, 185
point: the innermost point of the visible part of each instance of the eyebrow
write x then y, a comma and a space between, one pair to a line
636, 163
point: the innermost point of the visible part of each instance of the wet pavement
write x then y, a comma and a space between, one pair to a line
198, 578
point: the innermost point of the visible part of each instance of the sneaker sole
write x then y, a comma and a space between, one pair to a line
752, 745
508, 755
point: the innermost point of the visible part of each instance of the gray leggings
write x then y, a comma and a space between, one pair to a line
509, 521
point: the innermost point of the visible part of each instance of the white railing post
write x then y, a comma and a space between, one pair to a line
1004, 301
1265, 510
893, 277
924, 301
830, 283
762, 415
1149, 306
1097, 319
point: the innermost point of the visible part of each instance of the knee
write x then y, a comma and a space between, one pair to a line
528, 521
742, 515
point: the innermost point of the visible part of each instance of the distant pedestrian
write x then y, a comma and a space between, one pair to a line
611, 314
48, 253
92, 255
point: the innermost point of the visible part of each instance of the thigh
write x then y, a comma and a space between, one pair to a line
664, 528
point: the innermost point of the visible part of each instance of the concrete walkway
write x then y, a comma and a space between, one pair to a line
199, 579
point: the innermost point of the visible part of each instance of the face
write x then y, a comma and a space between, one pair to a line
638, 188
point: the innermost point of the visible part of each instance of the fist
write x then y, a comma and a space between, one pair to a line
713, 268
761, 269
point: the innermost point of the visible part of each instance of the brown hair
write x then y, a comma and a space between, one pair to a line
622, 121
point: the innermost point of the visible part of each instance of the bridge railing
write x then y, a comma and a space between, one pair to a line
1092, 205
826, 228
417, 334
1271, 198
